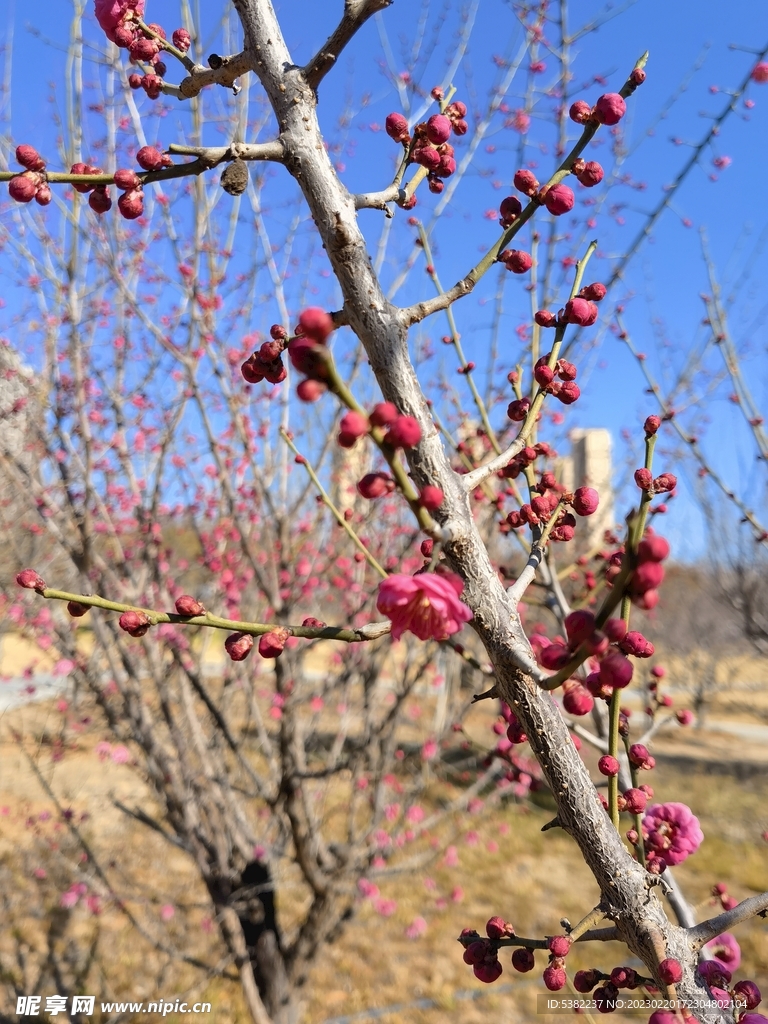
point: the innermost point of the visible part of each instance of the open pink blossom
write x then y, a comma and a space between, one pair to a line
110, 13
726, 950
671, 832
428, 605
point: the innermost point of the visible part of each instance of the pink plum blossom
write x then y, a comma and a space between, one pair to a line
726, 950
671, 832
428, 605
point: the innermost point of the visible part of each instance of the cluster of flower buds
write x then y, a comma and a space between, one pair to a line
661, 484
609, 109
581, 310
267, 363
588, 172
429, 146
308, 353
526, 458
649, 572
565, 389
31, 183
482, 954
271, 645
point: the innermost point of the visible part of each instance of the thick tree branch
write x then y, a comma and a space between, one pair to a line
356, 13
226, 74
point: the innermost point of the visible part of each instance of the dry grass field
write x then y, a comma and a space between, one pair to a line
395, 954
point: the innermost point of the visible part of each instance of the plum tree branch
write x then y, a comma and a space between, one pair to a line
356, 13
755, 906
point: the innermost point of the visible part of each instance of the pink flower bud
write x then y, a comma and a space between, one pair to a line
23, 187
585, 501
594, 292
581, 312
577, 700
43, 195
431, 498
515, 732
515, 260
760, 73
143, 48
131, 204
608, 765
135, 80
126, 179
509, 209
651, 425
653, 548
518, 409
31, 580
316, 324
544, 375
526, 182
635, 801
310, 390
684, 716
523, 960
309, 358
579, 625
382, 414
615, 629
186, 605
181, 39
438, 129
639, 756
616, 671
746, 991
476, 952
644, 479
559, 945
554, 978
396, 127
252, 369
670, 971
427, 156
565, 370
238, 646
375, 485
665, 482
559, 200
488, 971
272, 645
99, 200
580, 112
637, 77
150, 158
545, 319
353, 425
610, 108
497, 928
647, 576
312, 623
591, 174
28, 157
635, 643
404, 432
134, 623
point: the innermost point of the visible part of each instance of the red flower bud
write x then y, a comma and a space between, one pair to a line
518, 409
554, 978
353, 425
559, 945
431, 498
579, 625
509, 209
99, 200
396, 127
526, 182
565, 370
23, 187
591, 174
375, 485
665, 482
651, 425
616, 671
310, 390
523, 960
670, 971
653, 548
594, 292
585, 981
150, 158
647, 576
76, 610
181, 39
382, 414
585, 500
608, 765
544, 375
559, 200
135, 80
404, 432
438, 129
28, 157
580, 112
644, 479
610, 108
581, 312
31, 580
637, 77
635, 643
316, 324
186, 605
577, 700
545, 319
131, 204
238, 646
272, 645
615, 629
515, 260
126, 179
134, 623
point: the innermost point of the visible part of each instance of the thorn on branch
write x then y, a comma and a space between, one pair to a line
486, 695
555, 823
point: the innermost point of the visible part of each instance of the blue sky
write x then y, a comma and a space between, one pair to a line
664, 281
